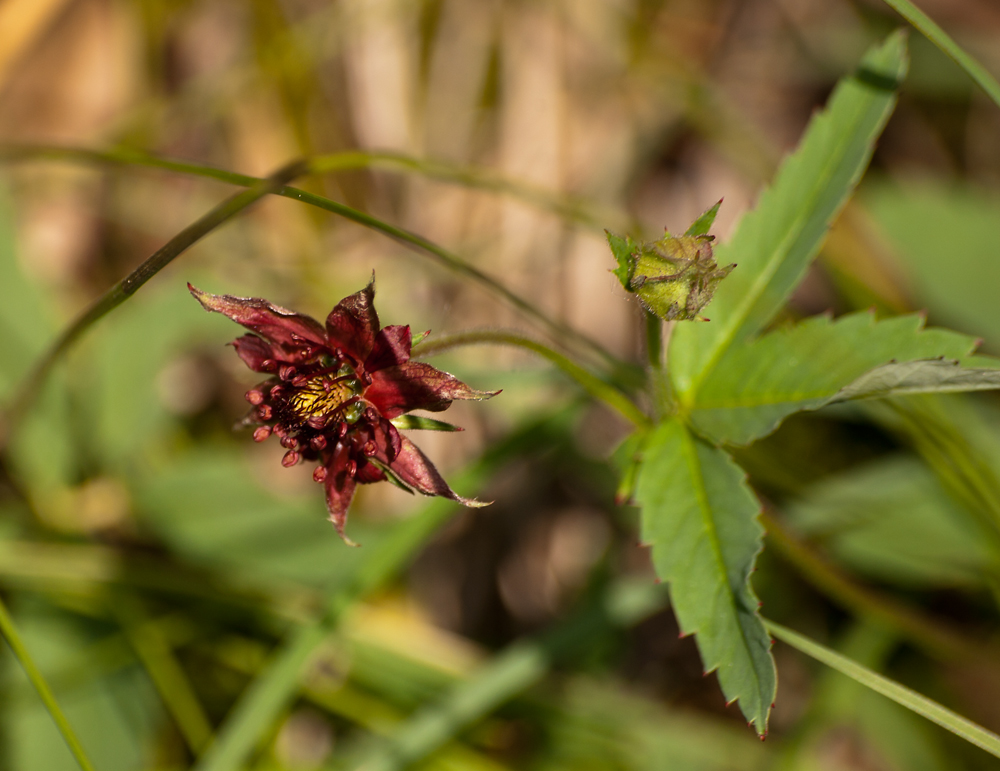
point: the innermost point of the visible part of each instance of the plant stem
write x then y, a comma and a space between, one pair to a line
654, 339
9, 632
591, 384
128, 286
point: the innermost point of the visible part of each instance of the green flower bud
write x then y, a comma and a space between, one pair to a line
674, 277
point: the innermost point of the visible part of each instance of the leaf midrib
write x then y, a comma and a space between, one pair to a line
691, 454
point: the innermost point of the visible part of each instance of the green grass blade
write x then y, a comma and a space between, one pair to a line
775, 243
169, 678
10, 633
940, 38
409, 240
263, 700
757, 385
700, 518
268, 695
944, 717
512, 671
129, 285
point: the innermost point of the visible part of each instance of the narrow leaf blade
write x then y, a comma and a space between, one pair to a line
700, 519
419, 422
757, 385
944, 717
775, 243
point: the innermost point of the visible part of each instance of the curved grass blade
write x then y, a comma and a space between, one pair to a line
128, 286
700, 518
9, 632
412, 241
591, 384
944, 717
955, 52
775, 243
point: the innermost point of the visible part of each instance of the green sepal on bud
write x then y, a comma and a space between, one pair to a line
674, 277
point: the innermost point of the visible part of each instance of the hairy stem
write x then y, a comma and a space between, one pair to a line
592, 385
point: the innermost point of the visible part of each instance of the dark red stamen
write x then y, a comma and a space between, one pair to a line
290, 459
319, 474
318, 442
254, 396
264, 412
261, 433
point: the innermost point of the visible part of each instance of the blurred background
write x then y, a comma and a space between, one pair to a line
154, 556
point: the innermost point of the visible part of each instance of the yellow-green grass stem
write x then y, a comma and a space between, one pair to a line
34, 674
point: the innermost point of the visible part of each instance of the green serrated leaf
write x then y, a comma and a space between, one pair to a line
756, 386
775, 243
703, 224
419, 422
622, 249
699, 516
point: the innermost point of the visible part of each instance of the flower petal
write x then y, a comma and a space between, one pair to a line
391, 347
272, 322
369, 473
352, 324
255, 351
417, 386
340, 486
415, 470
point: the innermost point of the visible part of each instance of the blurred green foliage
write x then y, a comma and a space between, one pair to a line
163, 569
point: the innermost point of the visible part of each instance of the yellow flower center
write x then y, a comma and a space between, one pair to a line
324, 398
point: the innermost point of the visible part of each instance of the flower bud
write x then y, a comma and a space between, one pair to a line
674, 277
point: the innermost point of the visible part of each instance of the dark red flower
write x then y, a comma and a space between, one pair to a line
335, 390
